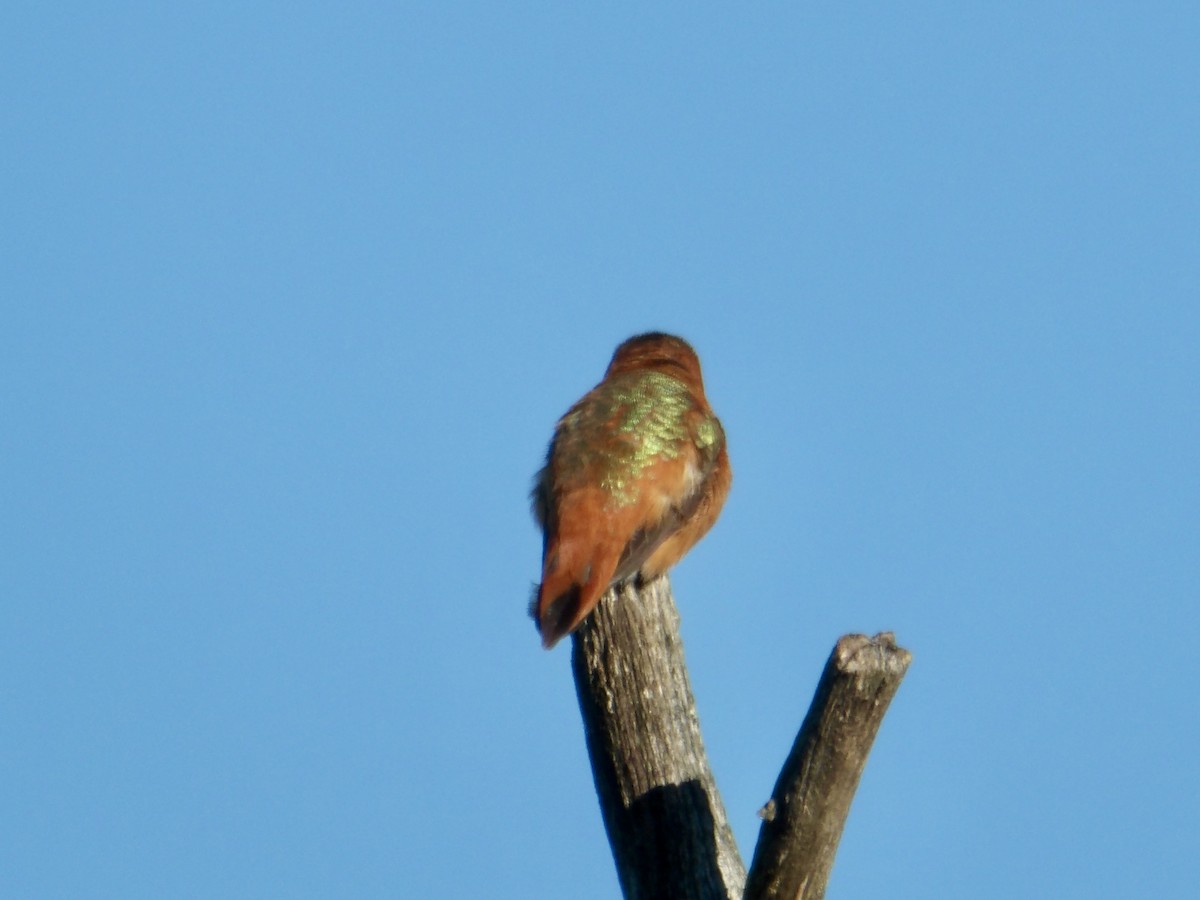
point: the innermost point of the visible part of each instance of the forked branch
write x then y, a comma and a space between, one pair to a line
665, 820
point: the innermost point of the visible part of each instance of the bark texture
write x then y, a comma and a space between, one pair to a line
664, 817
803, 821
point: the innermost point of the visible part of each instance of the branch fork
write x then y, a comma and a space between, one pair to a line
664, 816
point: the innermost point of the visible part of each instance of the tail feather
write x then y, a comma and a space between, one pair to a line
558, 617
572, 585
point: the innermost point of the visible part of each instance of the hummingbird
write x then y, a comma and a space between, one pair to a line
635, 475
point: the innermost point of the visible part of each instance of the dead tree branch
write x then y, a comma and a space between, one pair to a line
803, 821
661, 808
662, 811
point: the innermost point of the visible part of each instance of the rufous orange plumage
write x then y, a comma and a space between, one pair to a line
635, 475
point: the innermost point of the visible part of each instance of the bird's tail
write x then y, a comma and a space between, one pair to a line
571, 587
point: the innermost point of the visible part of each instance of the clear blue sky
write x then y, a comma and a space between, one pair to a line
293, 295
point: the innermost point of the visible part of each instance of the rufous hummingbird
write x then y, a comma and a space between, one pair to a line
635, 475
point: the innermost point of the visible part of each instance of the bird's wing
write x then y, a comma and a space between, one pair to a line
699, 463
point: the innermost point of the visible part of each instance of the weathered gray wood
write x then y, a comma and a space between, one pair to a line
803, 821
664, 817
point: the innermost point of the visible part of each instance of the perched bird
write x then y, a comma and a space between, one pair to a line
635, 475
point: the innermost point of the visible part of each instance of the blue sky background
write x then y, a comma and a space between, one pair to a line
294, 293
